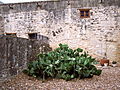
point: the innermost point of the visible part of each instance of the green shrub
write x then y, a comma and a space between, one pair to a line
63, 63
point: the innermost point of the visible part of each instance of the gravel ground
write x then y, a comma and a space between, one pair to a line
108, 80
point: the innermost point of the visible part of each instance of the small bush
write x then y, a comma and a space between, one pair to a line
63, 63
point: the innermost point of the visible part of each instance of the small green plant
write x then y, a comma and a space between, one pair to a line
114, 62
64, 63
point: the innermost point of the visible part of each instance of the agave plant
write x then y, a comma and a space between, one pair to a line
64, 63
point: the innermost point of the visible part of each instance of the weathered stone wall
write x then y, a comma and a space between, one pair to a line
61, 22
1, 24
99, 34
15, 53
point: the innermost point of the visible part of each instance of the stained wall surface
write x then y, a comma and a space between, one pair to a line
60, 21
16, 53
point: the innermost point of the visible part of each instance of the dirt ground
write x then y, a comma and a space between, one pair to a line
108, 80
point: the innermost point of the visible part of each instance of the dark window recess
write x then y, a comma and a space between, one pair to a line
87, 13
11, 34
41, 37
32, 35
84, 13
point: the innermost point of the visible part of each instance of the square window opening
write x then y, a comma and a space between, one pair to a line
32, 35
84, 13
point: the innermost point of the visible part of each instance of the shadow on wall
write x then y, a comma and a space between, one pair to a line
16, 52
38, 37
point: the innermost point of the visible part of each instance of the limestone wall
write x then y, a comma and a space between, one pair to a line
61, 22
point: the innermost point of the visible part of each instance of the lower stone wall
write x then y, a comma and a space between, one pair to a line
15, 53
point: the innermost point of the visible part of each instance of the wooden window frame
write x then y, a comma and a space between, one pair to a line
84, 15
11, 34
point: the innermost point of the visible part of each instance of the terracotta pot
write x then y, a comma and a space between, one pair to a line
102, 61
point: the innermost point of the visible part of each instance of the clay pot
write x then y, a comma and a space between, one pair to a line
103, 61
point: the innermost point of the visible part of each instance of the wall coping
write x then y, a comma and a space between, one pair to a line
2, 4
